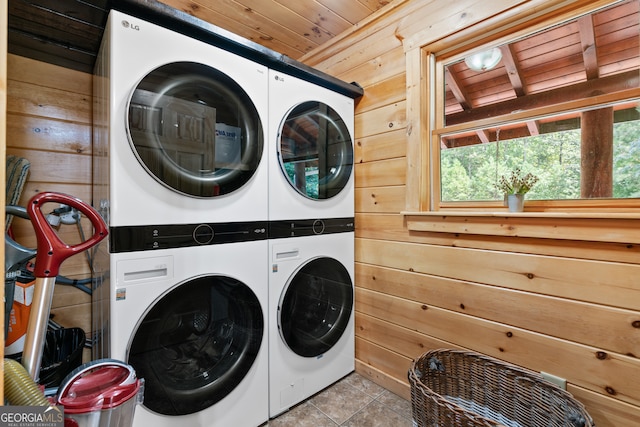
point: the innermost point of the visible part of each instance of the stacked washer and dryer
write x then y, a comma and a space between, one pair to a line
311, 239
227, 279
180, 174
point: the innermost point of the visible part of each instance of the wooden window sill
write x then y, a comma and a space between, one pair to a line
616, 227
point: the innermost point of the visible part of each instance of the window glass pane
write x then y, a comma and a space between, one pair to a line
470, 169
559, 103
592, 54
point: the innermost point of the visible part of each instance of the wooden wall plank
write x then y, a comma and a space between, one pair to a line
385, 380
68, 296
24, 45
602, 372
49, 102
382, 146
38, 73
380, 120
378, 45
444, 17
48, 166
393, 364
612, 284
380, 199
383, 93
609, 328
50, 119
39, 133
365, 42
75, 316
382, 173
605, 411
393, 227
379, 68
397, 338
79, 190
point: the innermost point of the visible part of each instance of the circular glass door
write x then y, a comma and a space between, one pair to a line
196, 344
194, 129
315, 150
315, 307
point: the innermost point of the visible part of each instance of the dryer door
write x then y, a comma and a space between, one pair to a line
196, 344
315, 150
194, 129
315, 307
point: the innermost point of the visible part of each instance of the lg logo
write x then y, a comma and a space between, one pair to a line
126, 24
278, 78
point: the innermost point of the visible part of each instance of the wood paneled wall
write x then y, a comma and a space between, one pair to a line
564, 300
551, 302
49, 119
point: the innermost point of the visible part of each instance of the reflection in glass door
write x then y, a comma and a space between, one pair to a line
315, 150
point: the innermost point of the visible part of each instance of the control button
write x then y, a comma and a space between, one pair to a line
203, 234
318, 226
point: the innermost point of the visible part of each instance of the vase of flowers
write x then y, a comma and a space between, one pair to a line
514, 187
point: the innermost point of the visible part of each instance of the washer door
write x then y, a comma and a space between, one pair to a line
196, 344
315, 150
194, 129
315, 307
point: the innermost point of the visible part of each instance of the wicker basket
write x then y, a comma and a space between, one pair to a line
451, 388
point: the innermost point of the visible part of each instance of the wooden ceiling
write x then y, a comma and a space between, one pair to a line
291, 27
68, 32
597, 53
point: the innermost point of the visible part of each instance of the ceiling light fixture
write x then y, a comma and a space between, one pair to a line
485, 60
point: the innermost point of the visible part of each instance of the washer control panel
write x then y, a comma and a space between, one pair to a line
150, 237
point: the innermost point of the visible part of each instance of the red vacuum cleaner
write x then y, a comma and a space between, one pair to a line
51, 253
99, 393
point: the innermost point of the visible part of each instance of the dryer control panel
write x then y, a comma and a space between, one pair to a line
310, 227
151, 237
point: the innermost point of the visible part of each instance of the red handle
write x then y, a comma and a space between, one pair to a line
51, 250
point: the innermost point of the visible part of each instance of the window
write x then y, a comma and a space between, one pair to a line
561, 101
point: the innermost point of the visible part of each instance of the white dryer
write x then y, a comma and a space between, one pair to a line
180, 176
193, 323
311, 319
180, 129
310, 150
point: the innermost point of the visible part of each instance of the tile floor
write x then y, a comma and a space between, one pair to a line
353, 401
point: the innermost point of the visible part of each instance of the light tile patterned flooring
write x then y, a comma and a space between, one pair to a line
353, 401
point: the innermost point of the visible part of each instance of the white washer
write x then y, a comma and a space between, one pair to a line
311, 319
310, 150
180, 129
180, 176
192, 322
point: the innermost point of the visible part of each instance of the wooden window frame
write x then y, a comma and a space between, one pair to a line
424, 57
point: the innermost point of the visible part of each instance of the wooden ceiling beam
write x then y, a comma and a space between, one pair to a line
512, 66
588, 43
483, 135
534, 130
513, 69
456, 88
578, 91
474, 139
